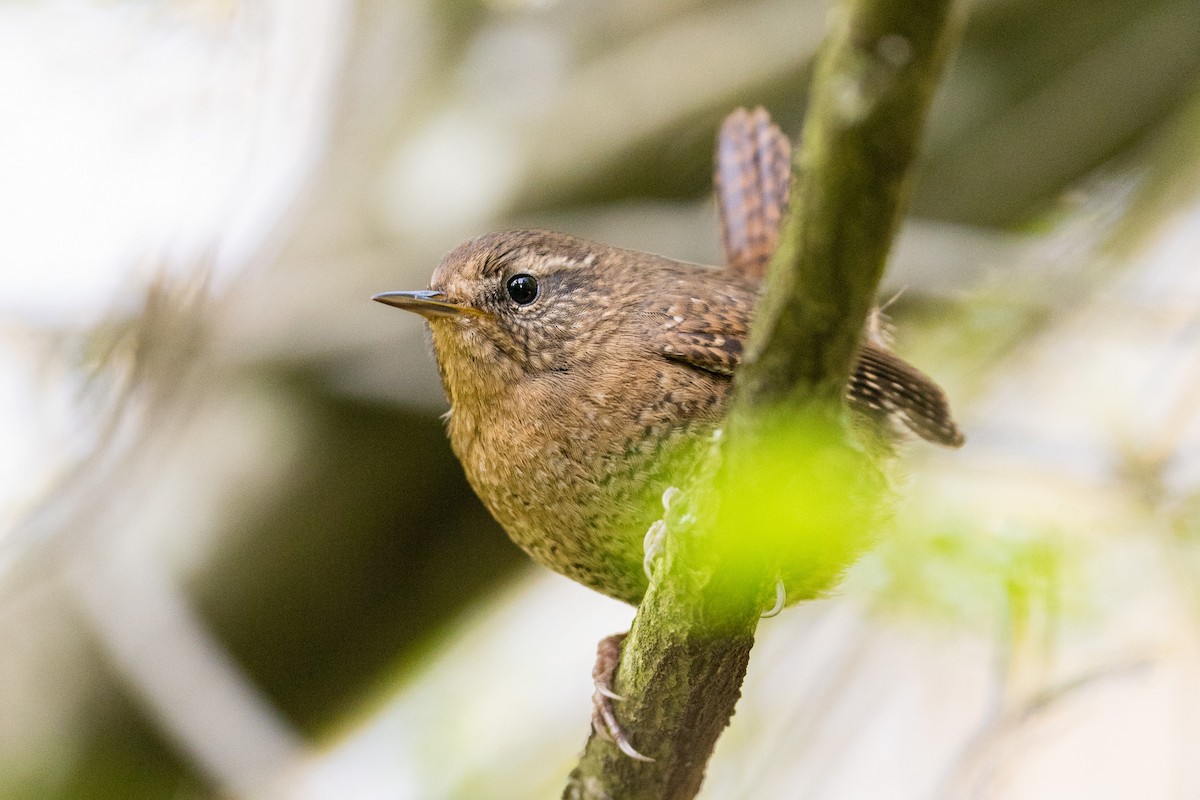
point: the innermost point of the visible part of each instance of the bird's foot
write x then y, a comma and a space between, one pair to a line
604, 716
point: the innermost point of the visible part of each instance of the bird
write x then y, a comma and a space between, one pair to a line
583, 378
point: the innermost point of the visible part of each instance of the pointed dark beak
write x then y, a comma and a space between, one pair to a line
427, 304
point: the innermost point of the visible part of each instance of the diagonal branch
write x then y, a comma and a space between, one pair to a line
782, 493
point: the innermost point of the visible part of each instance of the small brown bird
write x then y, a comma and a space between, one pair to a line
580, 374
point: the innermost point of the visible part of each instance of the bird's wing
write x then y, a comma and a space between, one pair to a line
752, 182
707, 337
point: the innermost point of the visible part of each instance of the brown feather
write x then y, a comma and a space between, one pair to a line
752, 181
882, 385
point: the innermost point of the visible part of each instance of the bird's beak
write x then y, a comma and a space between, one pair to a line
427, 304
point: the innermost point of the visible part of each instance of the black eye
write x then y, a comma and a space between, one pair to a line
523, 289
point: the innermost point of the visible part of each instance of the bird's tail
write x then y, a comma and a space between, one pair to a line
885, 385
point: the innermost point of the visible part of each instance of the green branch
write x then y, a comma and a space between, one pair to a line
782, 493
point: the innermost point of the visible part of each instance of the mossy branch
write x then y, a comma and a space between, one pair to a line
683, 663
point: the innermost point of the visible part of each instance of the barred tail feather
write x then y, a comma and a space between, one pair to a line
885, 385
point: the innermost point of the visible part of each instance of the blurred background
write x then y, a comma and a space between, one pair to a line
238, 559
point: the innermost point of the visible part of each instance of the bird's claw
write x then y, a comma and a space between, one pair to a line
653, 545
604, 716
669, 495
780, 599
609, 693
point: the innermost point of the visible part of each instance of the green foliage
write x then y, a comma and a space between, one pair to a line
959, 571
796, 501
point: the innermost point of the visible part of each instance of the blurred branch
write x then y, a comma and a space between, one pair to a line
182, 676
659, 80
686, 655
1098, 101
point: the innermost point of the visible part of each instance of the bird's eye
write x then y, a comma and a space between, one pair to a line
523, 289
